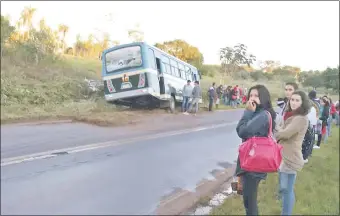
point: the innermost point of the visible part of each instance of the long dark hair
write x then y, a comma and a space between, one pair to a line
305, 105
265, 100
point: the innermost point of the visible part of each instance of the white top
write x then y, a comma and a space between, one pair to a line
312, 116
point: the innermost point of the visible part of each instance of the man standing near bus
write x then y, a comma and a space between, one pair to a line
211, 96
187, 90
196, 97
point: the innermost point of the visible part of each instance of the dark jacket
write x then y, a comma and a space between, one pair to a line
211, 92
252, 124
325, 115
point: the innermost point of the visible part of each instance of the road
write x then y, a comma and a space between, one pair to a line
126, 176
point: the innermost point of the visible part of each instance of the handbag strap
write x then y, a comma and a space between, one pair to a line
270, 124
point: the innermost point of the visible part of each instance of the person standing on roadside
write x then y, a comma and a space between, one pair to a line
211, 96
323, 117
187, 90
329, 120
196, 97
254, 122
219, 92
290, 134
290, 87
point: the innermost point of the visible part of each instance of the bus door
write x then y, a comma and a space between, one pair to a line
160, 71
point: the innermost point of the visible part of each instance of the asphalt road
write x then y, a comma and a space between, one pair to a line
126, 179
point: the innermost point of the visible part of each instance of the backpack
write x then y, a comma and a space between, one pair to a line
309, 136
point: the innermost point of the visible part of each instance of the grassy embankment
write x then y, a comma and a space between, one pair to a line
56, 90
316, 188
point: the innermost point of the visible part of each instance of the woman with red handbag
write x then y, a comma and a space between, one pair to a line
255, 122
290, 134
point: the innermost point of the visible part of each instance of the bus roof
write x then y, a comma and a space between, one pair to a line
143, 43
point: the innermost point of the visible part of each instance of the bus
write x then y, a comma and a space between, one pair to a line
138, 74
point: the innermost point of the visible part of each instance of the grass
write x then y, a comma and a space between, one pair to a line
316, 188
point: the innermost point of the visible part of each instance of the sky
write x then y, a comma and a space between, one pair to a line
303, 34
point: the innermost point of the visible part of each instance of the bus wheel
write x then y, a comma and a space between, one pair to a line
172, 104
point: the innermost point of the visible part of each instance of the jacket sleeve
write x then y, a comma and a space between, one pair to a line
325, 114
291, 129
249, 126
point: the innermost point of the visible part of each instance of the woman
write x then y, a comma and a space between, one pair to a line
331, 118
254, 122
290, 134
324, 115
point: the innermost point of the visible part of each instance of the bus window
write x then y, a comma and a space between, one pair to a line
166, 62
181, 70
122, 58
174, 68
152, 59
188, 73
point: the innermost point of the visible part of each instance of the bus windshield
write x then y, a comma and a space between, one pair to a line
126, 57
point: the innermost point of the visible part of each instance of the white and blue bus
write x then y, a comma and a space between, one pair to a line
138, 74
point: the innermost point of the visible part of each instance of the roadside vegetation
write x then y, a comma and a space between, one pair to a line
316, 188
44, 78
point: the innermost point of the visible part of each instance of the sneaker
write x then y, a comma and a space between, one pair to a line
305, 161
185, 113
316, 147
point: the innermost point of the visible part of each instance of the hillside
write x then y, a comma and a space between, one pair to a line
57, 90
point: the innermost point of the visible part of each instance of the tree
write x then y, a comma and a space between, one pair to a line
136, 34
25, 20
63, 29
6, 31
232, 58
268, 66
182, 50
331, 78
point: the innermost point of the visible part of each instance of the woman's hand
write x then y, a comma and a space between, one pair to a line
251, 106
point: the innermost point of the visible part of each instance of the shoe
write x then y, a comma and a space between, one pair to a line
316, 147
185, 113
305, 161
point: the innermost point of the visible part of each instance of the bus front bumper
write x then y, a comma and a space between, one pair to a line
131, 93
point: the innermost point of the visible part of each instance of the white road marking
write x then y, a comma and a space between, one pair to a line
52, 153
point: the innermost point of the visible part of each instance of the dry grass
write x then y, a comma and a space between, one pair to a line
316, 188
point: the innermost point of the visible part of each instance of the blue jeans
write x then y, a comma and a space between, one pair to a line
226, 101
337, 122
185, 103
233, 103
328, 129
286, 183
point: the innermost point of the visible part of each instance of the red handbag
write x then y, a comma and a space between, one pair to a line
261, 154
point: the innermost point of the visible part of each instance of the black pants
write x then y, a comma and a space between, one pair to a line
250, 185
211, 101
319, 140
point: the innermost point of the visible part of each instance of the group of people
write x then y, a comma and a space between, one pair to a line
230, 96
191, 97
301, 116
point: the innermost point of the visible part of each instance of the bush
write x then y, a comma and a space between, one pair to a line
257, 75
